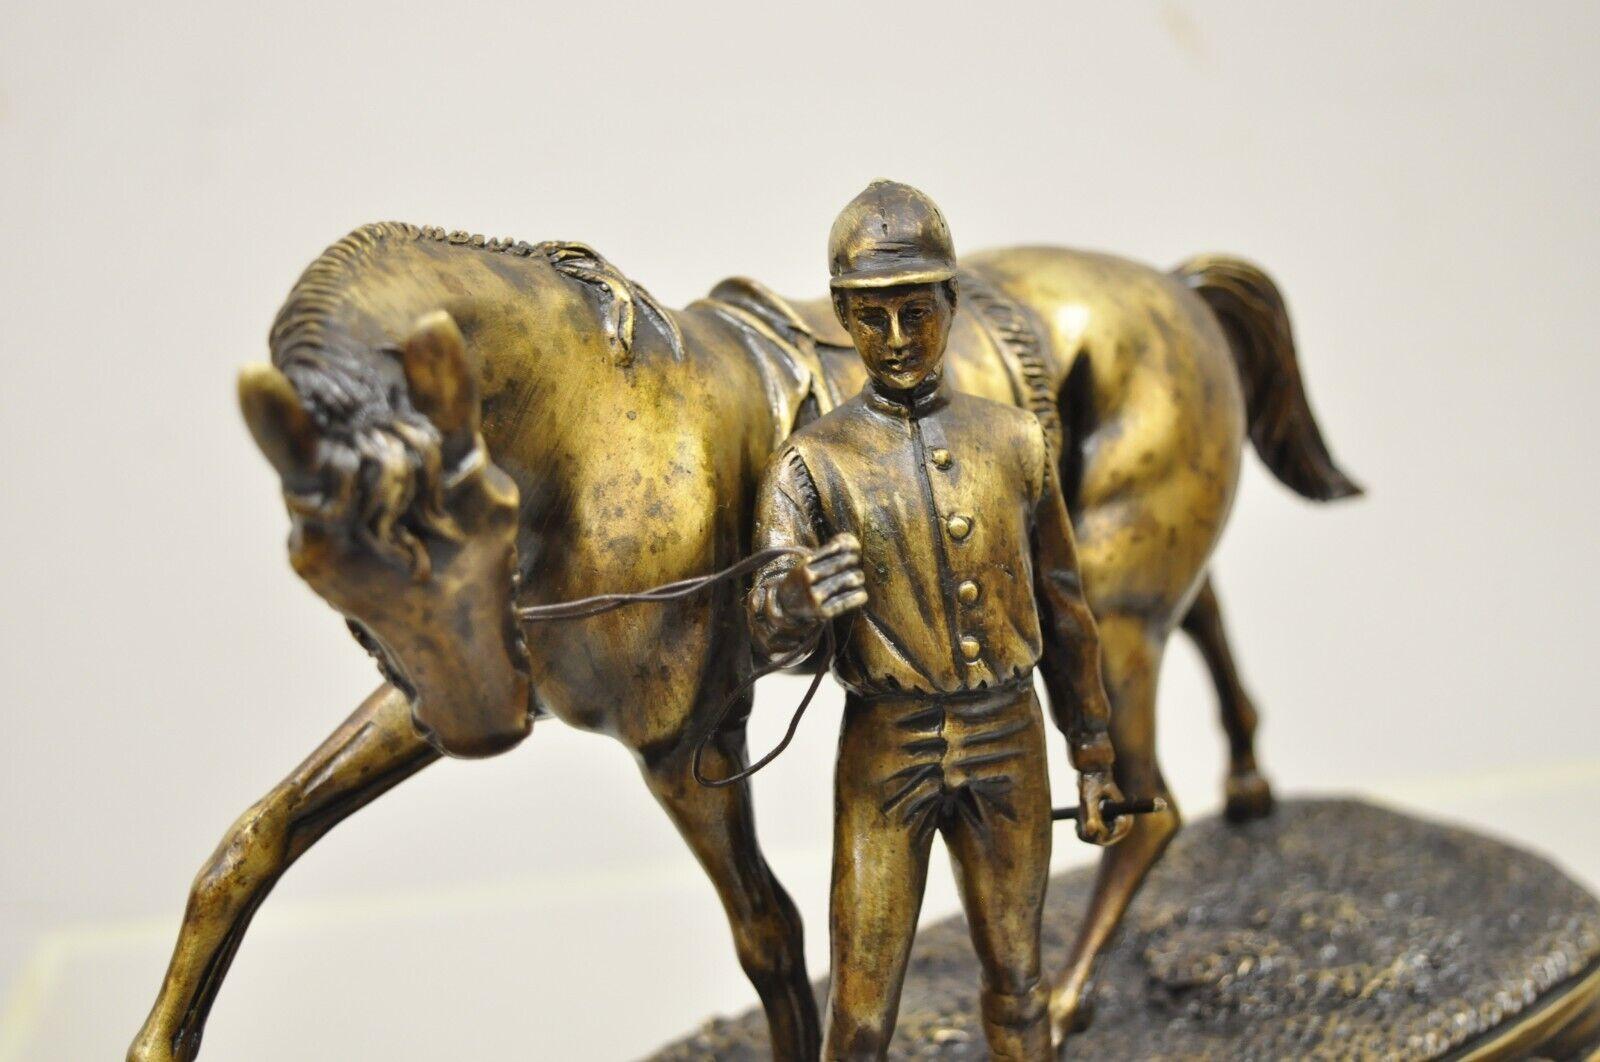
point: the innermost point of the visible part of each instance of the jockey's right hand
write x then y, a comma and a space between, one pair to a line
1094, 788
827, 584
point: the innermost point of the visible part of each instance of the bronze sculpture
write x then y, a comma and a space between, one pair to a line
465, 425
932, 524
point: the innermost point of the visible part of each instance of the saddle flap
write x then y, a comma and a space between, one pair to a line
813, 320
819, 317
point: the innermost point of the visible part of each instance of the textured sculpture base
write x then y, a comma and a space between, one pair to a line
1334, 929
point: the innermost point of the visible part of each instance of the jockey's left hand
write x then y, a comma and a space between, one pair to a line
1095, 787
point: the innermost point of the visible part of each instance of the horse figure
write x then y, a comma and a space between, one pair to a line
464, 427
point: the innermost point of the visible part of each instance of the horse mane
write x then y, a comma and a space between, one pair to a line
300, 334
392, 495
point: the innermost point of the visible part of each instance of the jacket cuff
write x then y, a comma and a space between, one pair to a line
1091, 752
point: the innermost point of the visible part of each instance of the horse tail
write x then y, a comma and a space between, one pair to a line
1252, 313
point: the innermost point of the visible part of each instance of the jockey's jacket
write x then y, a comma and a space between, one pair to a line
965, 544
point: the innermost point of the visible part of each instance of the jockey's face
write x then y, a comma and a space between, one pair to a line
899, 332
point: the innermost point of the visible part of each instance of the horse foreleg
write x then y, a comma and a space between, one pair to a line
1246, 790
375, 749
1131, 647
719, 826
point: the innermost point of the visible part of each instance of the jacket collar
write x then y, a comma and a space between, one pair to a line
930, 396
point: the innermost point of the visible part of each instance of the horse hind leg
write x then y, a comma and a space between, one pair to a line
373, 751
1132, 648
1247, 793
719, 826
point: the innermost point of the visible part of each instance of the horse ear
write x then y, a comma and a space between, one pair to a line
281, 426
440, 380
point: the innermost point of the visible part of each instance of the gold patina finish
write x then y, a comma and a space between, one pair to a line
433, 607
628, 440
889, 234
903, 499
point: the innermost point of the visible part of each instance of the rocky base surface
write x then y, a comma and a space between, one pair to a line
1333, 929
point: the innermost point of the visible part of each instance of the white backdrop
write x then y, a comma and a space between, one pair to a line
1420, 178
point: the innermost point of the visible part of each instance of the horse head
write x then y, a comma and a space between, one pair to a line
410, 533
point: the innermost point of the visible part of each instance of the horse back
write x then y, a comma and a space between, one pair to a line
1150, 392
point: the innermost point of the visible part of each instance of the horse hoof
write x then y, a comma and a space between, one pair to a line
1249, 797
1068, 1017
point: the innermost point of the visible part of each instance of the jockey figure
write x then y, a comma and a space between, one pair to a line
940, 548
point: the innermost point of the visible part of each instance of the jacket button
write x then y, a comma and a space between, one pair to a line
970, 648
958, 526
967, 592
941, 458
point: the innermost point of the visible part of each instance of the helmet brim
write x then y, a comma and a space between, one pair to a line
889, 278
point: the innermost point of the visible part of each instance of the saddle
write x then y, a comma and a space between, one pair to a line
814, 347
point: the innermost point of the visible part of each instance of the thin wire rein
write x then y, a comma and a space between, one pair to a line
584, 607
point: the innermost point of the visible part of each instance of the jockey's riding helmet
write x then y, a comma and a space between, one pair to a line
890, 234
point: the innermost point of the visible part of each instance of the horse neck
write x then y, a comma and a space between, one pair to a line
583, 380
633, 472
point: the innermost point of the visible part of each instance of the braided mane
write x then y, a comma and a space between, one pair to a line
299, 333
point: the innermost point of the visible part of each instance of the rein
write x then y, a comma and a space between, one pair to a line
584, 607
